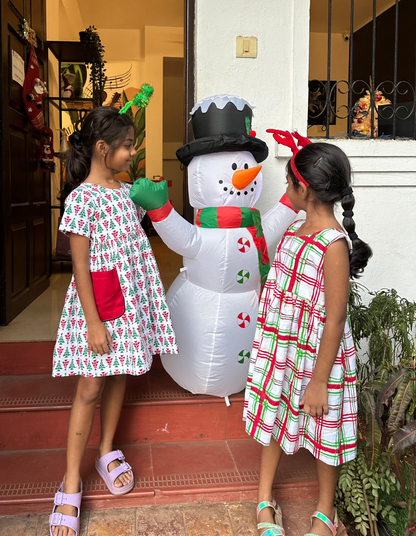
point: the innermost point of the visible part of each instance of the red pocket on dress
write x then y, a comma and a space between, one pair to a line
108, 294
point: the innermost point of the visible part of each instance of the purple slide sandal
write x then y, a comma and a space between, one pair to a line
109, 477
57, 520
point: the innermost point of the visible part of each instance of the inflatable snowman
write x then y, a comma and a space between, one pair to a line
214, 300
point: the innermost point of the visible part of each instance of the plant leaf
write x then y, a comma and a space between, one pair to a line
401, 401
139, 156
405, 437
398, 467
140, 120
386, 392
373, 433
139, 139
399, 504
134, 171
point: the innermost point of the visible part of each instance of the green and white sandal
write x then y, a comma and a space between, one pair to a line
322, 517
273, 529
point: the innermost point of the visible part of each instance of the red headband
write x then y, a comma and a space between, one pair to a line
284, 137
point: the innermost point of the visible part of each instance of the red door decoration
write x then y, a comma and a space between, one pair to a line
47, 163
34, 88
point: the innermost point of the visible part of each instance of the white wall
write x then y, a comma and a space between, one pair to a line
276, 83
384, 178
267, 81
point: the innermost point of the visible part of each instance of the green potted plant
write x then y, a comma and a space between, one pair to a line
369, 486
95, 53
139, 119
395, 413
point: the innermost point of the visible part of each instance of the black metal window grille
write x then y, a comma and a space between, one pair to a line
390, 121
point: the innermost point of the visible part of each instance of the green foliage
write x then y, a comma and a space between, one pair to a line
95, 50
400, 505
388, 323
358, 492
386, 390
371, 432
139, 119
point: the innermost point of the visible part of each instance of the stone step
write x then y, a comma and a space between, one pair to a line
34, 413
166, 473
22, 358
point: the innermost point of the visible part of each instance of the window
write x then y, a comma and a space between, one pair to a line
362, 69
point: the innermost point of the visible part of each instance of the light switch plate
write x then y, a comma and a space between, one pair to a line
246, 47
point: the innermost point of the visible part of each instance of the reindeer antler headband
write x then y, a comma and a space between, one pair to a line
284, 137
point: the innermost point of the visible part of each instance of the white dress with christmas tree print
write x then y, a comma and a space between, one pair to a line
110, 220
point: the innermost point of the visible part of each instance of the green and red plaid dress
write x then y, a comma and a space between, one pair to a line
289, 330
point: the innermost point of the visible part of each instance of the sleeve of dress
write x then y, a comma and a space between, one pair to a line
79, 214
141, 213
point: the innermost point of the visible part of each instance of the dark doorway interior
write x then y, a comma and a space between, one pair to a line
24, 188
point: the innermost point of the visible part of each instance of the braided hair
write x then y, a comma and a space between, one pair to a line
327, 170
103, 123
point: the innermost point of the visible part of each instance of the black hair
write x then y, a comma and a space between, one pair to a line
103, 123
327, 170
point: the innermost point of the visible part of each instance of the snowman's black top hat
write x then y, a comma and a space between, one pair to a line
222, 123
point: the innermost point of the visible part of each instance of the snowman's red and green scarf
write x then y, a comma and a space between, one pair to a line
234, 217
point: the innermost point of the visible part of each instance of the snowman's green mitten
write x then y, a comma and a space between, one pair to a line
153, 197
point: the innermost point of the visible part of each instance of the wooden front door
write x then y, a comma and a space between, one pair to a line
24, 189
188, 211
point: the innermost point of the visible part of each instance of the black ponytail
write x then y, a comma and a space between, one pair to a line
327, 170
361, 252
103, 123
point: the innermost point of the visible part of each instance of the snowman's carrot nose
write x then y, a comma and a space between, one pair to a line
243, 177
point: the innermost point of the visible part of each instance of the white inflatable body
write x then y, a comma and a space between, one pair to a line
214, 301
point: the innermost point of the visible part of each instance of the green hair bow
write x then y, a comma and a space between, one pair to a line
141, 100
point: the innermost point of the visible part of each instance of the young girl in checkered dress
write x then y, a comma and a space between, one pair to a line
301, 389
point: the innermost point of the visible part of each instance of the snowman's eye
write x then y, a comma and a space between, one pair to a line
245, 166
220, 182
234, 166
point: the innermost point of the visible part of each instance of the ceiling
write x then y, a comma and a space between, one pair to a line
341, 14
134, 14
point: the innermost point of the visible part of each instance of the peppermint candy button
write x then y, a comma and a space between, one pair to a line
243, 244
243, 320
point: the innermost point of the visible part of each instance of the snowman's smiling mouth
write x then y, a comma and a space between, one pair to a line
243, 180
231, 190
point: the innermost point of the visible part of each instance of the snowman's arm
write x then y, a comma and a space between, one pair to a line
275, 222
178, 234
